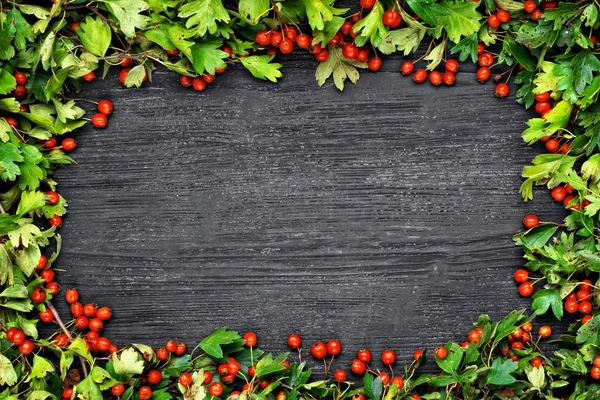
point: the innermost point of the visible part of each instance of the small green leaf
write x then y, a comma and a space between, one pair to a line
213, 342
95, 35
500, 372
129, 362
41, 367
546, 298
261, 67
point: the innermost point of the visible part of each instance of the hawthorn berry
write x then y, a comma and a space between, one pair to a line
385, 378
542, 107
503, 15
290, 33
363, 55
595, 372
250, 338
18, 337
502, 90
38, 295
171, 346
318, 350
11, 121
417, 354
558, 193
364, 355
398, 381
162, 354
552, 145
334, 347
20, 92
586, 319
71, 295
50, 142
198, 84
585, 307
435, 78
90, 76
52, 197
185, 379
75, 26
441, 352
485, 59
123, 75
185, 81
571, 306
407, 67
61, 340
526, 289
46, 316
10, 333
276, 38
388, 357
251, 371
118, 389
493, 21
350, 51
374, 63
145, 393
103, 313
449, 78
20, 78
26, 347
420, 75
286, 46
322, 56
263, 38
392, 18
452, 65
89, 310
303, 41
474, 336
99, 120
367, 3
47, 275
480, 48
105, 107
215, 389
521, 276
545, 331
67, 393
294, 341
53, 288
82, 322
529, 6
154, 377
69, 144
96, 325
483, 74
339, 375
336, 40
358, 367
542, 97
531, 221
536, 15
181, 349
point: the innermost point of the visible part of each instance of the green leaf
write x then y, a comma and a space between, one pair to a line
467, 48
371, 28
28, 258
536, 376
9, 104
7, 81
331, 28
590, 15
40, 395
67, 110
204, 15
435, 56
206, 56
321, 11
267, 365
128, 14
585, 63
452, 361
8, 376
30, 201
546, 81
340, 67
15, 291
95, 35
135, 77
18, 28
521, 55
590, 332
546, 298
500, 372
406, 40
31, 173
428, 10
18, 305
537, 237
89, 389
254, 9
9, 155
129, 362
462, 19
41, 367
213, 342
261, 67
510, 5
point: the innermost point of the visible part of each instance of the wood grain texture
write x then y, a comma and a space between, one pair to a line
382, 215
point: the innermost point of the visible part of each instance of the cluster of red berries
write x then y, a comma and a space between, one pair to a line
494, 20
580, 301
566, 195
50, 285
595, 370
100, 119
199, 83
20, 92
435, 77
522, 337
18, 338
88, 317
531, 8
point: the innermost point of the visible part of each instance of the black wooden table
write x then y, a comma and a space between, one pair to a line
382, 215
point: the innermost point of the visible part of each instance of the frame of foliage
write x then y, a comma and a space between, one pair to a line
548, 47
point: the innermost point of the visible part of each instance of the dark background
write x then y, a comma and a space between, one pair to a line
382, 215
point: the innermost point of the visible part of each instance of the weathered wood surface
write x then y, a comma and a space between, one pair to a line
382, 215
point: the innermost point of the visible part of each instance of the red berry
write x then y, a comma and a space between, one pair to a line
67, 393
374, 63
82, 322
571, 306
61, 340
185, 379
417, 354
71, 295
529, 6
558, 193
407, 67
358, 367
55, 221
452, 66
20, 78
493, 21
154, 377
542, 97
118, 389
542, 107
181, 349
388, 357
171, 346
483, 74
47, 275
521, 276
294, 341
420, 75
162, 354
263, 38
99, 120
52, 198
90, 76
69, 144
323, 55
198, 84
367, 3
145, 393
105, 107
503, 15
185, 81
531, 221
46, 316
38, 295
545, 331
18, 337
364, 355
318, 350
53, 288
20, 92
585, 307
89, 310
290, 33
586, 319
123, 75
250, 338
474, 336
334, 347
392, 18
303, 41
449, 78
286, 46
363, 55
536, 15
50, 142
552, 145
96, 325
339, 375
435, 78
485, 59
350, 51
502, 90
26, 347
276, 38
102, 344
103, 313
385, 378
75, 26
525, 289
11, 121
441, 352
346, 28
215, 389
399, 381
